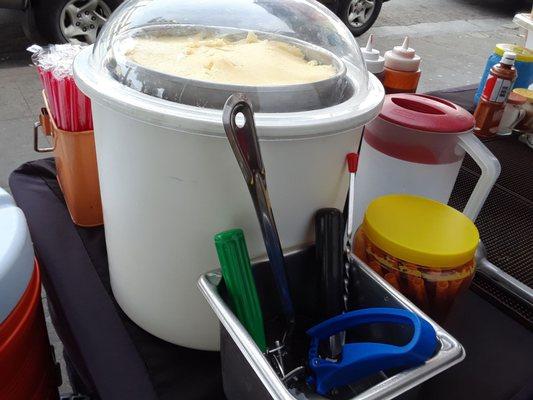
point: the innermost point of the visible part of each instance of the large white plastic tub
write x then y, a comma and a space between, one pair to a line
169, 182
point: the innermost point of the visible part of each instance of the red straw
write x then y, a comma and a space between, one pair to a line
55, 99
81, 109
69, 107
47, 84
73, 105
63, 97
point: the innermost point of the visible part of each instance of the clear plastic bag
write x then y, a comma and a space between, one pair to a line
69, 107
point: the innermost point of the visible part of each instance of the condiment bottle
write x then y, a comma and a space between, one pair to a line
494, 96
513, 113
523, 65
526, 125
375, 63
402, 69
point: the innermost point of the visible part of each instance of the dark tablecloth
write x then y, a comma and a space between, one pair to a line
115, 359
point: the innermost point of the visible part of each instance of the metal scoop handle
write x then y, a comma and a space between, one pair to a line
245, 146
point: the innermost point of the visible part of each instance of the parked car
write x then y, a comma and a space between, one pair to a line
58, 21
357, 15
74, 21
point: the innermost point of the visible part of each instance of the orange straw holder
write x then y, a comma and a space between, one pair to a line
77, 171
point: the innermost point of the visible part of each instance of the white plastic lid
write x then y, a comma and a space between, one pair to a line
375, 63
508, 58
402, 58
16, 255
111, 75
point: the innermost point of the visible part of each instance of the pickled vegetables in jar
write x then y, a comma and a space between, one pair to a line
423, 248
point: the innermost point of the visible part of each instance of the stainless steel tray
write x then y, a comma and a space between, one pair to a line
372, 291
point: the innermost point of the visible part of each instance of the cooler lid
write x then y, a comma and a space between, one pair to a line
16, 255
522, 54
426, 113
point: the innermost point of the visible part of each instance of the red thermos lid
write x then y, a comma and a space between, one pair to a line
426, 113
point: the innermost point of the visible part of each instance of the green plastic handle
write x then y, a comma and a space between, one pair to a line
237, 272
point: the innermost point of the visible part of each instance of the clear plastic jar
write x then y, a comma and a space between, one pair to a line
423, 248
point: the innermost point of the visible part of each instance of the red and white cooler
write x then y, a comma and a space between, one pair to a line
416, 145
27, 369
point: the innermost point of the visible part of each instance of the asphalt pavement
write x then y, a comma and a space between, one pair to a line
453, 37
13, 42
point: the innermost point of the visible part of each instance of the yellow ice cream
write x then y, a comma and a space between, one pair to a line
250, 61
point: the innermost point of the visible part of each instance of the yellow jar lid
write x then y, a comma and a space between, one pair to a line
528, 94
421, 231
522, 54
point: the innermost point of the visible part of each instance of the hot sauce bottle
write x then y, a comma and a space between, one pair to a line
402, 69
494, 96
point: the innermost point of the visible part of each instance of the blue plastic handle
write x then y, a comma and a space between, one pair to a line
364, 359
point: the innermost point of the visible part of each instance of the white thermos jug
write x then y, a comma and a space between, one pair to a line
416, 145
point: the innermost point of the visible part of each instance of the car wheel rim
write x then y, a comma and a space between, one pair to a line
359, 12
81, 20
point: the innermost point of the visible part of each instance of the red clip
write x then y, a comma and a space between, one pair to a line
352, 159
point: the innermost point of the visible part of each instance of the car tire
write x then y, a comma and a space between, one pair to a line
46, 18
30, 29
344, 15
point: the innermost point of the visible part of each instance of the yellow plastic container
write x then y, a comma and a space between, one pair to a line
522, 53
423, 248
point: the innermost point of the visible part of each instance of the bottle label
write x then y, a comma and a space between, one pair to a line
497, 89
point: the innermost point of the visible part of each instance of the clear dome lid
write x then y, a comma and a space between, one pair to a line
286, 55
